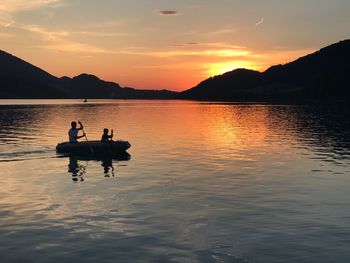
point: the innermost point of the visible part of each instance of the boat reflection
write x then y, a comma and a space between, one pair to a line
78, 164
77, 170
108, 168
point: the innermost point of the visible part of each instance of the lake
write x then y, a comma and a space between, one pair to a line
205, 182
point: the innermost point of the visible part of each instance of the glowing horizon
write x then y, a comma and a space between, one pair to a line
167, 45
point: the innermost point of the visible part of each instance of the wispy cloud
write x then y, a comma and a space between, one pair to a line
59, 41
222, 31
74, 47
100, 33
45, 34
10, 6
213, 33
223, 45
10, 23
214, 45
168, 13
233, 52
260, 22
5, 19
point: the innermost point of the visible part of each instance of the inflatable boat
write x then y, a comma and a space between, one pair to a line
95, 147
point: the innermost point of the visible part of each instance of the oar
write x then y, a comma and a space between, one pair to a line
92, 150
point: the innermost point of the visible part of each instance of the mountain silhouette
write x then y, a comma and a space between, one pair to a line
321, 76
89, 86
20, 79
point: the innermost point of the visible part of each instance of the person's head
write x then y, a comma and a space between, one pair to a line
73, 124
105, 131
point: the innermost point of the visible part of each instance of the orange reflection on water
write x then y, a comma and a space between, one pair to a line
161, 122
238, 126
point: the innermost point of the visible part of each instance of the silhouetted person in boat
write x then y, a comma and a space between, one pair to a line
105, 136
73, 132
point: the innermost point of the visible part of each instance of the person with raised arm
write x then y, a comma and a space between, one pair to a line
73, 132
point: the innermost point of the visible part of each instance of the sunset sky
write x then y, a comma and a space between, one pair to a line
175, 44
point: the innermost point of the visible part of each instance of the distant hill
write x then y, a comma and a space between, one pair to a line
20, 79
321, 76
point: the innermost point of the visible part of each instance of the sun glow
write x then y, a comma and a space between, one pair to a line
220, 68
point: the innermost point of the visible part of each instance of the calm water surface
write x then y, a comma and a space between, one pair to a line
205, 182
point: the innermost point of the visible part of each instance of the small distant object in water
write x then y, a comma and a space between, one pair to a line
85, 100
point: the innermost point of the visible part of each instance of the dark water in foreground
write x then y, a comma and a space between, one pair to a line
205, 183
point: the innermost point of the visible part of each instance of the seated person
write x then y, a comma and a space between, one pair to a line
105, 136
73, 132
